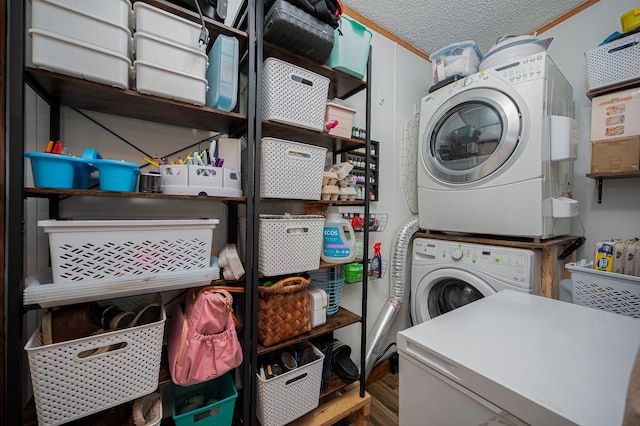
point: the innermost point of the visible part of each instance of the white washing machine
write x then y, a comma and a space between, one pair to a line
446, 275
486, 164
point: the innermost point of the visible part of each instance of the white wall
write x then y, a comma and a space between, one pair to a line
400, 79
617, 216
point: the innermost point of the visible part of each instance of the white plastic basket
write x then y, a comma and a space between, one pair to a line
288, 396
289, 244
613, 62
67, 387
293, 95
107, 249
291, 169
607, 291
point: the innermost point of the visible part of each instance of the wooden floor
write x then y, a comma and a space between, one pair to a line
384, 400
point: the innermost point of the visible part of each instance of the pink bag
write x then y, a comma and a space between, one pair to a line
202, 342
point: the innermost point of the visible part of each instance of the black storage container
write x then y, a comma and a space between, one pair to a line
292, 28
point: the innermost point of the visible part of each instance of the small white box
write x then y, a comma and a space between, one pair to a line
71, 57
344, 116
66, 21
564, 207
615, 115
169, 55
318, 303
165, 83
166, 25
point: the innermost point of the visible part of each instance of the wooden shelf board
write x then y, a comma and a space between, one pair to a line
52, 193
289, 132
614, 175
340, 319
629, 84
84, 94
517, 242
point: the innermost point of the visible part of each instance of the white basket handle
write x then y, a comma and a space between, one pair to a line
297, 230
299, 155
301, 80
624, 46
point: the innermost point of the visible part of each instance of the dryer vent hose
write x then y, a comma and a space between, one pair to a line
397, 290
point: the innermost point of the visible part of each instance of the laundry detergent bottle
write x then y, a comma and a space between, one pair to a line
338, 239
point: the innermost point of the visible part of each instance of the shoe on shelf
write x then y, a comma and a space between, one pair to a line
230, 262
147, 315
146, 410
71, 322
114, 318
342, 364
288, 361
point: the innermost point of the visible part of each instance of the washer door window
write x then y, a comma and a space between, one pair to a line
471, 135
444, 290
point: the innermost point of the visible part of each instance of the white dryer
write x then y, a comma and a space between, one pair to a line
485, 164
446, 275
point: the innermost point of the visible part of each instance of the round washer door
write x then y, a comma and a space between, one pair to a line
471, 135
444, 290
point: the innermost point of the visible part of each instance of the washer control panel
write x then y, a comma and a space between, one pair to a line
514, 265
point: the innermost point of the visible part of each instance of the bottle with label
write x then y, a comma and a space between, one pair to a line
338, 239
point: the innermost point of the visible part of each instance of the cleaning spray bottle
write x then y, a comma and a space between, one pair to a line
376, 262
338, 240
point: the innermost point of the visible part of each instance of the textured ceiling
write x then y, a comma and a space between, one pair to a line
430, 25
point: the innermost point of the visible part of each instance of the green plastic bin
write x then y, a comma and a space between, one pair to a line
351, 48
219, 413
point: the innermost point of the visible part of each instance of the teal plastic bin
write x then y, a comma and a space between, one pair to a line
222, 74
351, 48
218, 413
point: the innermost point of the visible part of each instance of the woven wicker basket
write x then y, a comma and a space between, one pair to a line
283, 310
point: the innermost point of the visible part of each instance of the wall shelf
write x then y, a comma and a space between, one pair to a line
599, 177
52, 193
629, 84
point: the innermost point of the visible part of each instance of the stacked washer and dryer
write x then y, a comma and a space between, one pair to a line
496, 151
492, 161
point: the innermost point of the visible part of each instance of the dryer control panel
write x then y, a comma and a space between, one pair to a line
527, 68
514, 265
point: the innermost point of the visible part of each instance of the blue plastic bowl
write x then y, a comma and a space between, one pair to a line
55, 170
119, 176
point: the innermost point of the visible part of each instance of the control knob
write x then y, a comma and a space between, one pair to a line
456, 254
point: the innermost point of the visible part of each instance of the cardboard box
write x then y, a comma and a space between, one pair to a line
614, 115
616, 155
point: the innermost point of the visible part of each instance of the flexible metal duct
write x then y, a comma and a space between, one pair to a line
395, 299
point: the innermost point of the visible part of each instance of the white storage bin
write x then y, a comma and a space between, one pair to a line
608, 291
289, 244
291, 169
78, 59
61, 20
67, 387
293, 95
195, 180
107, 249
169, 55
166, 25
165, 83
116, 11
613, 62
288, 396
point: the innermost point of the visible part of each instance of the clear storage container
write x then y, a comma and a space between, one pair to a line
460, 59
